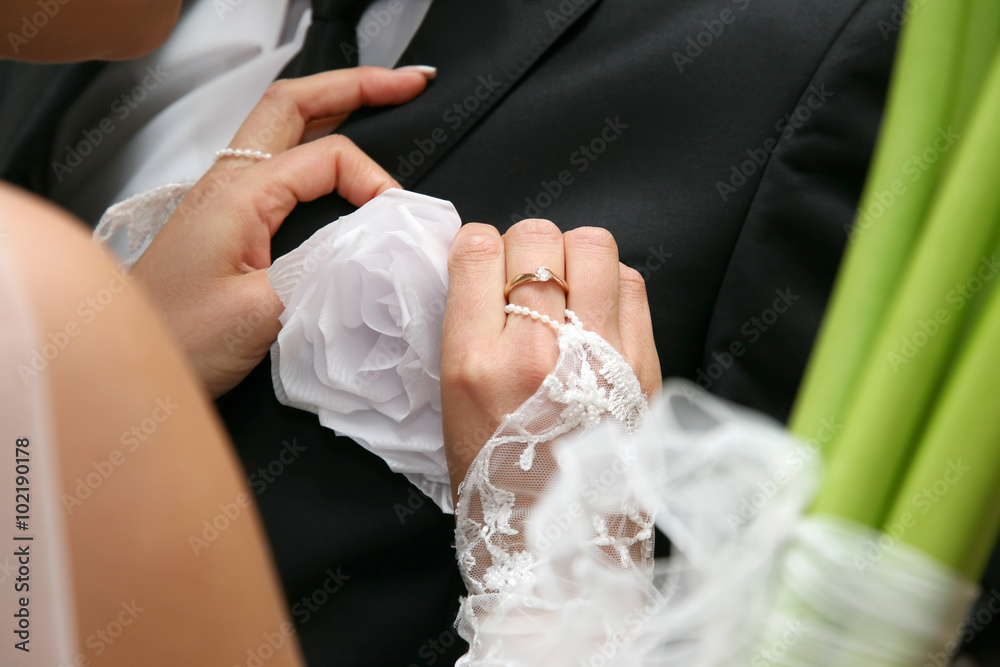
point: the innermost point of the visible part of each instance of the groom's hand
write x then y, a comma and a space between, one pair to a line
207, 268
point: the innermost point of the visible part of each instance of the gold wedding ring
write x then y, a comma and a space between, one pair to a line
541, 275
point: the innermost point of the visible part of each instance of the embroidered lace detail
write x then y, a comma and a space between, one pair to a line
142, 216
498, 550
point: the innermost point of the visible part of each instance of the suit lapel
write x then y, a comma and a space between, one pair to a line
482, 49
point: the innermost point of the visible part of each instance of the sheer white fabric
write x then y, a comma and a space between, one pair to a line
36, 594
556, 555
521, 582
141, 218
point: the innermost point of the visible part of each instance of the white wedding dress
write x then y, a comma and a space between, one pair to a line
36, 601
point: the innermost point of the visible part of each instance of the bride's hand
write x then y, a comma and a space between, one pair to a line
492, 362
207, 268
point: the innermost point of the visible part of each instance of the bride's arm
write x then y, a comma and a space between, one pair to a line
169, 563
206, 269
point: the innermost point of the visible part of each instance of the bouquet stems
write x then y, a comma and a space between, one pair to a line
949, 503
981, 35
916, 342
897, 195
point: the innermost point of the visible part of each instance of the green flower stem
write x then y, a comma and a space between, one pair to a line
949, 503
891, 401
893, 207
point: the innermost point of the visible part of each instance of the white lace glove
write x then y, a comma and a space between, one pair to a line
524, 576
556, 555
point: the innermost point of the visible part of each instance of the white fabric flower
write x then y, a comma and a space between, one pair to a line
361, 339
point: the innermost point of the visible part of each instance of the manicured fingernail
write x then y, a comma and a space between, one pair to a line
426, 70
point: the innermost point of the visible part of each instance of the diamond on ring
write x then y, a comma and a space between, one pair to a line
541, 275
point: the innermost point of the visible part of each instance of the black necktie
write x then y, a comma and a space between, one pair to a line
331, 42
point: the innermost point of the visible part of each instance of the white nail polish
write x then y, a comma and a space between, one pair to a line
426, 70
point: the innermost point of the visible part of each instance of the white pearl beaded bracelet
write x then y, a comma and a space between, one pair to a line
240, 152
544, 319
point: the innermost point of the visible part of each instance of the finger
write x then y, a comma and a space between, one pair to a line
476, 276
593, 275
289, 105
636, 329
310, 171
528, 245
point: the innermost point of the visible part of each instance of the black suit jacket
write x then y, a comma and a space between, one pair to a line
723, 142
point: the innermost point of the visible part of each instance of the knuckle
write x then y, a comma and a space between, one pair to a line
366, 71
631, 282
467, 369
339, 142
279, 103
535, 230
279, 92
592, 238
536, 361
475, 247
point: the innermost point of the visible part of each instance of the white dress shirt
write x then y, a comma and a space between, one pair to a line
160, 118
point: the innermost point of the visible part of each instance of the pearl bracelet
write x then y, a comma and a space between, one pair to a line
239, 152
544, 319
